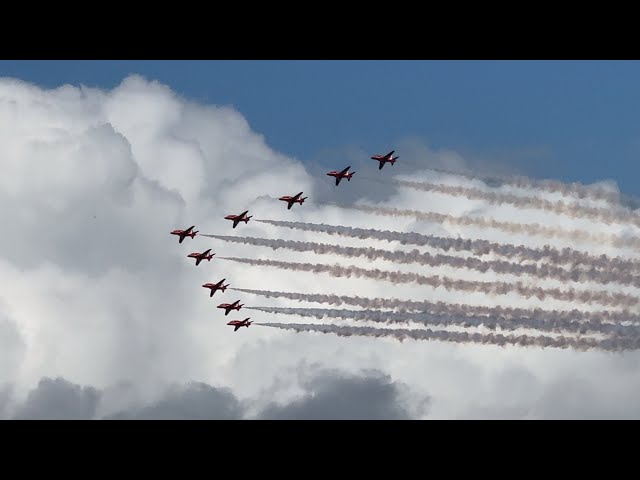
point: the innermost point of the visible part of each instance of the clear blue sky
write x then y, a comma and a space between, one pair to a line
584, 114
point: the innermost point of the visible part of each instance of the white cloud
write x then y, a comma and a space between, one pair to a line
93, 288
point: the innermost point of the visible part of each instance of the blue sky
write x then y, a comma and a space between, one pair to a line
572, 120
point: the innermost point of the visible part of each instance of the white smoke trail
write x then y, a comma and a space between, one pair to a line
605, 215
478, 247
614, 344
544, 325
490, 288
442, 308
437, 260
573, 189
534, 229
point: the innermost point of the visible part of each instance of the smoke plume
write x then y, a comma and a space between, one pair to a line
534, 229
573, 189
553, 325
438, 308
438, 260
435, 281
477, 247
605, 215
615, 344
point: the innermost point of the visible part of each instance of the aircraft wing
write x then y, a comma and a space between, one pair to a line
338, 180
243, 213
390, 153
345, 170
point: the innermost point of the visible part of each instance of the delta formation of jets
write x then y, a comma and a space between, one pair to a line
236, 219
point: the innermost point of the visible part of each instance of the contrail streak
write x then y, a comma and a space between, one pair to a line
545, 325
534, 229
573, 189
610, 344
478, 247
439, 308
491, 288
559, 207
438, 260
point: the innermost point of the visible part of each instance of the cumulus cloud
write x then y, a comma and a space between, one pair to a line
328, 394
102, 314
5, 397
12, 348
197, 401
332, 395
58, 399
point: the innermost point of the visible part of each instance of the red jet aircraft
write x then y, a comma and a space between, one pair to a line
291, 200
385, 158
185, 233
201, 256
239, 218
340, 175
240, 323
216, 286
230, 306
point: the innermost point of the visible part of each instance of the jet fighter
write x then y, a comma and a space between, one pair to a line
385, 158
185, 233
216, 286
239, 218
240, 323
340, 175
230, 306
201, 256
291, 200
